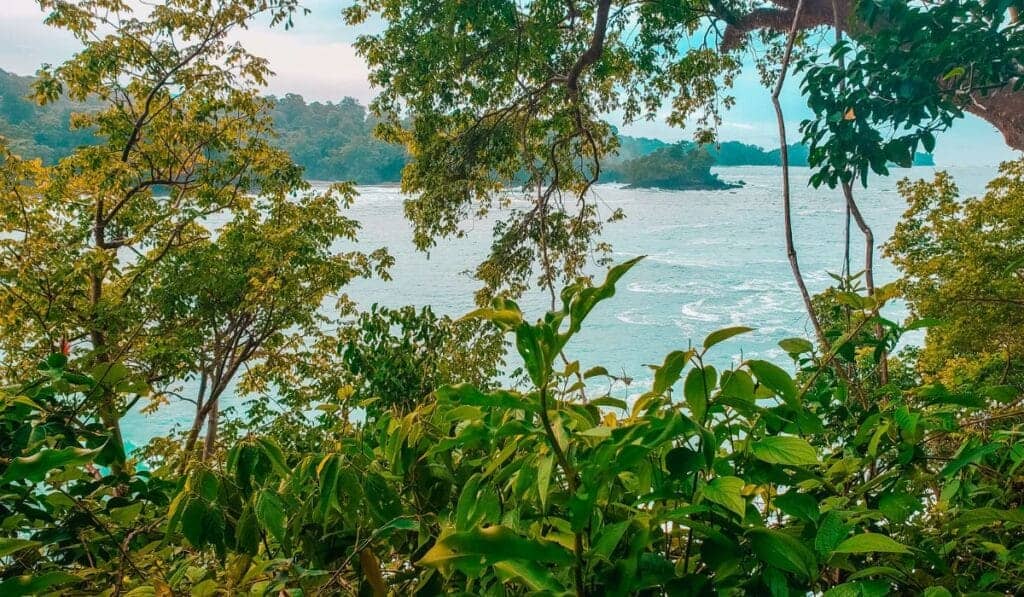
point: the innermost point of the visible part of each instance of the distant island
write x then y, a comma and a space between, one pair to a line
334, 141
680, 166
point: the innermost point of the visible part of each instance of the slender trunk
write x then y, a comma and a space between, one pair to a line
869, 275
786, 196
108, 411
211, 429
846, 246
852, 209
197, 424
869, 238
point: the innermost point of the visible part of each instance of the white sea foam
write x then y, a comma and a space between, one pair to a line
692, 311
698, 288
635, 317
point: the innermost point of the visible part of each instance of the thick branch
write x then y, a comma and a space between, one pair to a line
593, 52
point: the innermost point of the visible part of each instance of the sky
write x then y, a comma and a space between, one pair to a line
316, 60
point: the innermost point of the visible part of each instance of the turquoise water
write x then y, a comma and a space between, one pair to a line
715, 259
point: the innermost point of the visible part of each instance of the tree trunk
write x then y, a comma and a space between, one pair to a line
869, 270
210, 444
197, 424
787, 212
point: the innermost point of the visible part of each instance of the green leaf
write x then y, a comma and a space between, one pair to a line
9, 545
207, 484
784, 552
798, 505
466, 505
898, 507
327, 475
55, 361
247, 533
127, 514
870, 542
785, 450
34, 584
193, 521
682, 460
985, 516
608, 539
584, 302
866, 588
727, 492
535, 577
697, 388
488, 546
608, 401
831, 531
872, 571
596, 431
968, 456
958, 71
401, 523
724, 334
666, 375
384, 503
775, 379
36, 466
508, 318
274, 455
270, 513
109, 374
468, 395
544, 465
795, 346
737, 384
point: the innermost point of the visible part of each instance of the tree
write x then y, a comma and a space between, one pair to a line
907, 70
184, 140
252, 293
480, 92
962, 264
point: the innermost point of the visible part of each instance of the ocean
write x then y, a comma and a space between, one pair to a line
714, 259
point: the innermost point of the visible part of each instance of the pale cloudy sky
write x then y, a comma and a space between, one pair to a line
316, 60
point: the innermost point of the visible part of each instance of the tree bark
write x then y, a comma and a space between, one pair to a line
212, 418
197, 425
869, 269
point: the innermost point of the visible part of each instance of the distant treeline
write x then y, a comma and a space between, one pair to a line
733, 153
334, 141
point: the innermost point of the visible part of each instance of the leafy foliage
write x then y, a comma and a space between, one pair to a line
742, 480
962, 263
910, 70
385, 457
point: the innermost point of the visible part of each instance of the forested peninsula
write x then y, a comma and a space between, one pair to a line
335, 141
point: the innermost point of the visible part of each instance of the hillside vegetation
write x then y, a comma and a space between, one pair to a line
335, 141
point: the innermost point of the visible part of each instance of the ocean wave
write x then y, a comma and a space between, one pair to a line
755, 285
635, 317
671, 258
692, 311
699, 288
